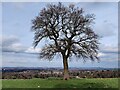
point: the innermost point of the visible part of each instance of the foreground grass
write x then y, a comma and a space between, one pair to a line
58, 83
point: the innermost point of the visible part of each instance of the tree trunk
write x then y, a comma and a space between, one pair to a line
65, 63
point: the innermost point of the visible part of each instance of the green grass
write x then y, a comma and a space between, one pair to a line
58, 83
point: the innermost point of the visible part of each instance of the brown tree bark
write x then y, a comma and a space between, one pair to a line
65, 63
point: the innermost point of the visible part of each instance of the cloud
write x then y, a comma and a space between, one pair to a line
109, 48
33, 50
105, 29
19, 5
108, 52
101, 54
105, 25
12, 44
8, 40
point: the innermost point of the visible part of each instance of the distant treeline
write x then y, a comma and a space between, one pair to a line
29, 74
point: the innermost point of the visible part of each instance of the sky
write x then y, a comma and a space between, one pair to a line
17, 36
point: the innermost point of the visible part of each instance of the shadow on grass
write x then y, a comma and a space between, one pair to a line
60, 89
84, 85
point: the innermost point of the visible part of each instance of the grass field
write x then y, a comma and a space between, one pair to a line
58, 83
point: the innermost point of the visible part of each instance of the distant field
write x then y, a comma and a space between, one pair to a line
58, 83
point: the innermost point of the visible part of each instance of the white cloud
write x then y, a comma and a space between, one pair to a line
17, 47
109, 48
101, 54
33, 50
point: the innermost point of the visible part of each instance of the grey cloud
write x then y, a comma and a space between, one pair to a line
12, 44
106, 29
108, 48
6, 41
95, 6
110, 53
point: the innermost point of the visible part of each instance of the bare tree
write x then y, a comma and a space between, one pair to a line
69, 31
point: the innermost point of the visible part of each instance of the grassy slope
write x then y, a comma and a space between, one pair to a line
54, 83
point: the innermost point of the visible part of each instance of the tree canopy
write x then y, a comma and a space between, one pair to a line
70, 30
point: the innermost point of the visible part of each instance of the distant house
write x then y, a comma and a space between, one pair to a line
57, 72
